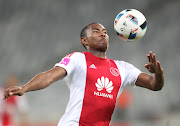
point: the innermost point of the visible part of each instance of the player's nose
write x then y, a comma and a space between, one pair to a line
103, 34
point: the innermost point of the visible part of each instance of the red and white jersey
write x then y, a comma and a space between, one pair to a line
95, 83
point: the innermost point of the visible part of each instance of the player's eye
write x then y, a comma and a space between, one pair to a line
95, 31
105, 32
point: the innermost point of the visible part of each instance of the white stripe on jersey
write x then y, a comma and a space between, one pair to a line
77, 87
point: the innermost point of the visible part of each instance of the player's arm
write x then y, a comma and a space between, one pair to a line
40, 81
153, 82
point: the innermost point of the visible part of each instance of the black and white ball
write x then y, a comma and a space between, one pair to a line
130, 25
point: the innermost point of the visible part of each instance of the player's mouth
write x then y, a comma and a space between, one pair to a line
103, 40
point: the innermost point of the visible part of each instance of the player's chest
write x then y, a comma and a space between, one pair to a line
103, 79
103, 74
106, 68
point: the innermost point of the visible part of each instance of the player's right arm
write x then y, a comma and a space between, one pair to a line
40, 81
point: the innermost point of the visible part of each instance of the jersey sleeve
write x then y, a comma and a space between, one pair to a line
131, 73
68, 63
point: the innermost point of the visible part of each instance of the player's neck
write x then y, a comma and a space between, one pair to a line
98, 53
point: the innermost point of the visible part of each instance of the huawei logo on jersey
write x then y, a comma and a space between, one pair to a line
104, 83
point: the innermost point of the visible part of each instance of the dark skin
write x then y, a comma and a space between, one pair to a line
97, 43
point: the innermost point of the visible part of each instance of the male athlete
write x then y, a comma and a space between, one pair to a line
13, 106
95, 81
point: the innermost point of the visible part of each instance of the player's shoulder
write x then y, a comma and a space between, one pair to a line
74, 55
122, 63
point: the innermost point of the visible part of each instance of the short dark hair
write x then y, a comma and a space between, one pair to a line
84, 31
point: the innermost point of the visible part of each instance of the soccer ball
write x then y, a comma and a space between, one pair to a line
130, 25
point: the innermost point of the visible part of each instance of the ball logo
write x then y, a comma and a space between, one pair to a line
104, 83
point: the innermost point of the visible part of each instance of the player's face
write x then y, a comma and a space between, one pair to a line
97, 38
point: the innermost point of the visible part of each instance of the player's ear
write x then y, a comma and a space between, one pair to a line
84, 41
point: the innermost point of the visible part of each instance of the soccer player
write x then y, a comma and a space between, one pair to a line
95, 81
13, 106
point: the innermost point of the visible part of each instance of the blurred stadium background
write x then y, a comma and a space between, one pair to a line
36, 34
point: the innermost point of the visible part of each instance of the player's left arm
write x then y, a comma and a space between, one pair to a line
153, 82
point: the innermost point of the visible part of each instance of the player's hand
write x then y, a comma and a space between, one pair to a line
153, 65
14, 90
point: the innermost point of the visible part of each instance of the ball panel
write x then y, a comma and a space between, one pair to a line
132, 36
143, 26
